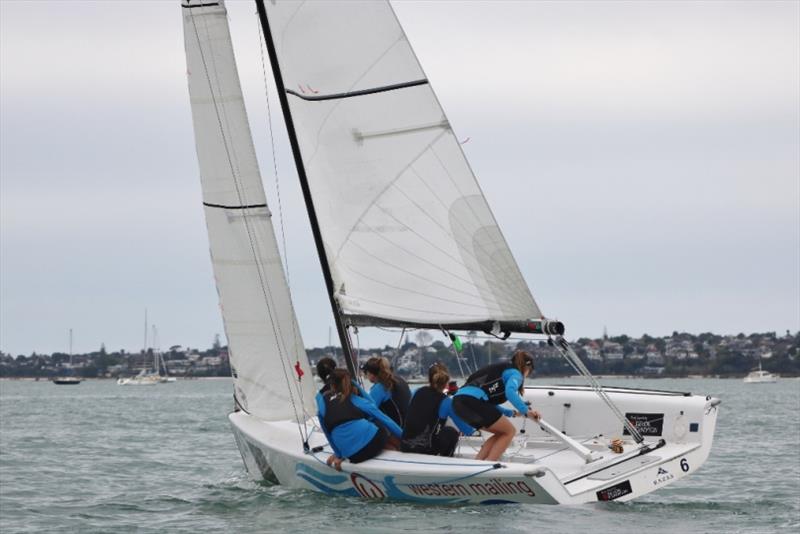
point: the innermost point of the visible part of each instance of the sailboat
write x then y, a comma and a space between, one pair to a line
68, 380
406, 240
152, 376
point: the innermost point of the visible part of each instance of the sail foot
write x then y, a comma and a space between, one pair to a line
497, 328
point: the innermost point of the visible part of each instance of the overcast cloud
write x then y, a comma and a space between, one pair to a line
642, 158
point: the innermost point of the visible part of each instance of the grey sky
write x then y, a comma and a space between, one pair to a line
643, 160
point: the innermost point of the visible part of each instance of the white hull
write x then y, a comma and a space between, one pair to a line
760, 377
537, 468
137, 381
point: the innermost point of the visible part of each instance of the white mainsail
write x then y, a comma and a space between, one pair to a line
408, 235
263, 336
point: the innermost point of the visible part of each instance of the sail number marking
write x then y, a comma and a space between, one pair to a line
684, 465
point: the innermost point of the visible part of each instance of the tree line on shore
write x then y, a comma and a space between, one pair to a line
680, 354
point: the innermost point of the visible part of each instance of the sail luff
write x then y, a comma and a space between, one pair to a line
341, 328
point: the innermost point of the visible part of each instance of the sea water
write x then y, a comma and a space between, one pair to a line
99, 457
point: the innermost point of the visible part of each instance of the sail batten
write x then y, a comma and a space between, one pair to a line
350, 94
408, 235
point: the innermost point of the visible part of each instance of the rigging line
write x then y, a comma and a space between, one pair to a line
385, 188
408, 290
253, 246
450, 274
438, 249
458, 360
297, 338
406, 271
566, 351
488, 210
472, 353
417, 256
272, 146
503, 284
474, 275
418, 310
448, 233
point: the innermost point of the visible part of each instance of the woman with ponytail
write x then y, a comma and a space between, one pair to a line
389, 392
478, 402
425, 431
355, 428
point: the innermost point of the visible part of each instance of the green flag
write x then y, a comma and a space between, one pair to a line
456, 342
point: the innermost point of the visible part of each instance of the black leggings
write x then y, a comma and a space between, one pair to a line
371, 449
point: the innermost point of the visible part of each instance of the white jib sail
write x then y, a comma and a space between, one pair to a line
408, 234
263, 336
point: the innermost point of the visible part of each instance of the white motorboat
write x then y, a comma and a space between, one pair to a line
405, 239
759, 376
145, 378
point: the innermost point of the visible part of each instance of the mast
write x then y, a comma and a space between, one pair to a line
341, 327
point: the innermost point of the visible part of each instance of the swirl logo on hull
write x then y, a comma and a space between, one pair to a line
366, 488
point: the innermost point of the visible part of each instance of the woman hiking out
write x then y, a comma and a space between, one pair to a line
479, 399
356, 429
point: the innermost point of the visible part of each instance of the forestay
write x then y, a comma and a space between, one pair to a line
263, 335
408, 234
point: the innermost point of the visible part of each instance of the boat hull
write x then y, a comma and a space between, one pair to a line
273, 451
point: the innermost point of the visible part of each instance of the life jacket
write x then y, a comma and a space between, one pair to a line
396, 406
422, 421
490, 380
337, 412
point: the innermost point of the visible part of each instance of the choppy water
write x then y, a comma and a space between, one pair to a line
99, 457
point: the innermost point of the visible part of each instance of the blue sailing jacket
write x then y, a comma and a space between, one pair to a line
352, 436
446, 411
512, 380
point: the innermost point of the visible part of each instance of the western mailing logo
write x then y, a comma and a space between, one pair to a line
662, 476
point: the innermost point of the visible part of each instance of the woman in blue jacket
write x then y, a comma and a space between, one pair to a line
389, 392
356, 429
478, 402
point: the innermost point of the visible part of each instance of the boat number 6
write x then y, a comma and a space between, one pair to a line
684, 465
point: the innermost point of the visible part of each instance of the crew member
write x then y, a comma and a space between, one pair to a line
389, 392
425, 431
479, 399
356, 429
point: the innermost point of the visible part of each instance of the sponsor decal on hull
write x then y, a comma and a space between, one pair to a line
648, 424
615, 492
662, 476
485, 491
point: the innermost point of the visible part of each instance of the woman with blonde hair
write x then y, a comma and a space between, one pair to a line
389, 392
479, 399
426, 430
355, 428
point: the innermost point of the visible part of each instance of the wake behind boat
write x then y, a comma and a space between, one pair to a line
406, 240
